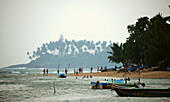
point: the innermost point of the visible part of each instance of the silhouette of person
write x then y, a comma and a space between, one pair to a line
91, 69
74, 71
65, 71
44, 71
58, 71
47, 71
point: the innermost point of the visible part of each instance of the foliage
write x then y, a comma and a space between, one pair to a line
147, 44
116, 53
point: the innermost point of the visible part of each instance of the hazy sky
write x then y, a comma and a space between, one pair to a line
27, 24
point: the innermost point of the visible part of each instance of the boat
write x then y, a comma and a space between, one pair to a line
108, 84
141, 92
100, 85
168, 68
61, 75
109, 69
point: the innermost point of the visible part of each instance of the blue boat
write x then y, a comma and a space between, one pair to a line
168, 68
108, 84
100, 85
61, 75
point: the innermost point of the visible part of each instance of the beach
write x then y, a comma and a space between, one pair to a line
151, 74
30, 85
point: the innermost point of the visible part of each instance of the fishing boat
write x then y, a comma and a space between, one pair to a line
108, 84
107, 70
168, 68
100, 85
141, 92
61, 75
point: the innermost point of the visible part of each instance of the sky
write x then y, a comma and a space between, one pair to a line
27, 24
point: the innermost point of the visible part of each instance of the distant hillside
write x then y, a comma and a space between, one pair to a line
76, 53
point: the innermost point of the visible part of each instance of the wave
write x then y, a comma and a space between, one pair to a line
16, 72
20, 68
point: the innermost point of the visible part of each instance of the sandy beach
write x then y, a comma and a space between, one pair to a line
152, 74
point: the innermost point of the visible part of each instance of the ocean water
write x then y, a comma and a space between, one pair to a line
16, 84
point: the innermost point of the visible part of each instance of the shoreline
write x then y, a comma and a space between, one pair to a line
151, 74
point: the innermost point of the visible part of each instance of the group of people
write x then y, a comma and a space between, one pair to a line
76, 71
65, 71
45, 71
98, 69
79, 70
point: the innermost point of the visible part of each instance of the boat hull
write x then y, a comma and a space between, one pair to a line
61, 75
106, 85
141, 92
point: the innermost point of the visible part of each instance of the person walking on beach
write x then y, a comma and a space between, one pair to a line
44, 71
47, 71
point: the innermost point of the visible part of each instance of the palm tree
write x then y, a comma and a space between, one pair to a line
116, 53
30, 57
28, 53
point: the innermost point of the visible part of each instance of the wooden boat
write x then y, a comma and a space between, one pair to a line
100, 85
61, 75
168, 68
141, 92
108, 84
107, 70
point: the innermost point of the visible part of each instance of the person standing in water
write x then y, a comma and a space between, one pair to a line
47, 71
44, 71
91, 69
74, 71
65, 71
58, 71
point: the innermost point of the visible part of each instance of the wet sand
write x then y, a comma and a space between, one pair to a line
152, 74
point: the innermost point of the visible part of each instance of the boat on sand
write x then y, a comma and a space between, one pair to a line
61, 75
109, 83
141, 92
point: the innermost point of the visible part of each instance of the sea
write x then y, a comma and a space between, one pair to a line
18, 85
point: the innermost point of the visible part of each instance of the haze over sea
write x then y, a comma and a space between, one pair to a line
17, 84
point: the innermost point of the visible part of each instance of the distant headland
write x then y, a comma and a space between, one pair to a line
80, 53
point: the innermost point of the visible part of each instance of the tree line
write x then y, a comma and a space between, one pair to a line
148, 43
82, 53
